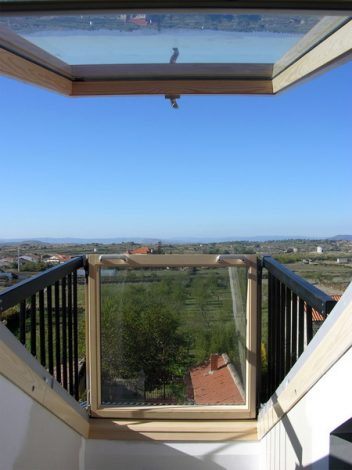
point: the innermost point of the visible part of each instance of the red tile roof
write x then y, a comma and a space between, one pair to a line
143, 250
318, 316
214, 387
60, 258
139, 21
63, 257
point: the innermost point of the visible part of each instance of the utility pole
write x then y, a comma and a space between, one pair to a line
18, 259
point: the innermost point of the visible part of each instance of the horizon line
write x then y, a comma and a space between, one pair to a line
180, 239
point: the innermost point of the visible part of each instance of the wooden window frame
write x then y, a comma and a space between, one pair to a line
319, 49
167, 412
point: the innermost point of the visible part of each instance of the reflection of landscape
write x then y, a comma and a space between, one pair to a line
143, 38
156, 48
169, 336
130, 22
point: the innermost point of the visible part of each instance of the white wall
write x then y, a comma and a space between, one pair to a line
31, 438
302, 438
136, 455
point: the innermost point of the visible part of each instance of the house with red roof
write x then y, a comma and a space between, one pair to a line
317, 317
142, 250
57, 259
138, 20
215, 382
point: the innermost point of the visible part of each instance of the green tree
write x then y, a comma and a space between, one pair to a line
140, 332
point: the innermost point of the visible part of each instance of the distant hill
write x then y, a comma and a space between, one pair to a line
150, 241
176, 240
257, 238
16, 241
77, 241
341, 237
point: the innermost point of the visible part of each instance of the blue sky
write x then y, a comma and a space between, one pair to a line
220, 166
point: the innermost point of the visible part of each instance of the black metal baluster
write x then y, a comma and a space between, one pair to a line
23, 322
277, 333
290, 328
294, 329
300, 327
54, 342
260, 383
75, 335
57, 332
274, 331
64, 331
49, 304
309, 318
282, 331
270, 378
33, 326
288, 331
70, 333
42, 328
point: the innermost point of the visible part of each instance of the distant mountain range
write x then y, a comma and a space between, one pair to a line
77, 241
141, 240
341, 237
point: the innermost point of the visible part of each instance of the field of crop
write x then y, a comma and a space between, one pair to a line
331, 277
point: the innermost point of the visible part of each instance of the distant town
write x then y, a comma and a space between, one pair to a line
327, 263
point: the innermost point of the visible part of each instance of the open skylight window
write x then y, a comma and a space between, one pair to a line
171, 51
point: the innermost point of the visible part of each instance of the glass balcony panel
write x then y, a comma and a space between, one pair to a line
173, 336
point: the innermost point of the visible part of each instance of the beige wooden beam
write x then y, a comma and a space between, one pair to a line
215, 71
336, 47
19, 46
15, 66
179, 430
317, 34
23, 370
169, 87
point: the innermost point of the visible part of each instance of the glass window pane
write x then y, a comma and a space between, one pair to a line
113, 38
173, 336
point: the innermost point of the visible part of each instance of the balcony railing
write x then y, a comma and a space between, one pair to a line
45, 310
43, 313
290, 304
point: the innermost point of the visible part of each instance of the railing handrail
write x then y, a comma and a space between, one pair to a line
22, 290
315, 297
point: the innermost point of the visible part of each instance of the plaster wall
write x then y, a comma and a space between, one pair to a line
135, 455
31, 438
